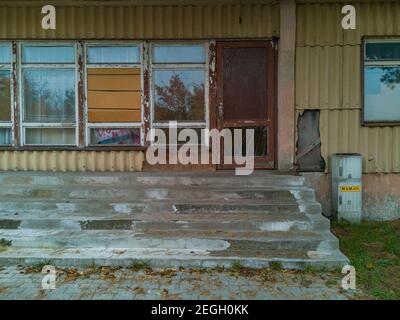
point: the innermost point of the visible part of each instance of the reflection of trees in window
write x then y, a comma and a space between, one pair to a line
177, 101
5, 98
391, 77
45, 102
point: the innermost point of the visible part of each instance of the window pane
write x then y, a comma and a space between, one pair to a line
5, 136
115, 136
47, 54
5, 54
5, 98
49, 95
179, 95
382, 94
116, 54
179, 54
159, 137
382, 51
50, 136
260, 140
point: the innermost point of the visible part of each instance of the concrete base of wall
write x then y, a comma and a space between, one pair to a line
381, 194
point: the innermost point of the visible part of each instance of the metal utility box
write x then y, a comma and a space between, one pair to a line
347, 186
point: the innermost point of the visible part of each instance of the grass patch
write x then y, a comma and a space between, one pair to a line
140, 265
374, 250
275, 266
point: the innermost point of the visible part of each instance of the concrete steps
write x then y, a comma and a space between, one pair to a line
188, 218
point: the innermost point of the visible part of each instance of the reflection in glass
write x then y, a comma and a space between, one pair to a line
50, 136
5, 136
115, 136
179, 54
48, 54
382, 51
260, 140
179, 95
5, 97
382, 94
5, 54
115, 54
49, 95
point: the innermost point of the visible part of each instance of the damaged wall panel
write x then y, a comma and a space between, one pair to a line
308, 153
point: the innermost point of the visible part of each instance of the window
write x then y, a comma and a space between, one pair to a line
381, 81
5, 94
113, 94
179, 85
48, 93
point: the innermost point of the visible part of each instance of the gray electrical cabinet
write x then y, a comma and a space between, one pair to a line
347, 186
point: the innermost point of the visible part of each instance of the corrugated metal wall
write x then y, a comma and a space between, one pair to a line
328, 77
71, 160
143, 22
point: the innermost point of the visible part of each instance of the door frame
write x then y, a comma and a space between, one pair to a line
270, 161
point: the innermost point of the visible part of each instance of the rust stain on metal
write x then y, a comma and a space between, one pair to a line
81, 99
146, 97
16, 124
212, 80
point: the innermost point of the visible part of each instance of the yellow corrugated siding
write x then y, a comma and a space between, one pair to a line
328, 77
143, 22
71, 160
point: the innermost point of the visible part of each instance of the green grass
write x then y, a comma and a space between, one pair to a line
374, 250
140, 265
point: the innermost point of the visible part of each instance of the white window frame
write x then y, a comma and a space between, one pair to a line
113, 125
9, 66
21, 66
377, 63
153, 66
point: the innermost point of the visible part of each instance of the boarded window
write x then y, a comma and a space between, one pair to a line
114, 95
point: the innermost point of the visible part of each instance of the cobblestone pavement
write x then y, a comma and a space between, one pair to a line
112, 283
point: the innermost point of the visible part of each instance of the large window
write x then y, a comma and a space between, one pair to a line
49, 95
382, 81
5, 94
113, 94
179, 85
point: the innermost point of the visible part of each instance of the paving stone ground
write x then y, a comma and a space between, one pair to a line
194, 284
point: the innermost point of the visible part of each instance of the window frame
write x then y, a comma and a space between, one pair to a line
154, 66
365, 63
20, 66
9, 124
112, 125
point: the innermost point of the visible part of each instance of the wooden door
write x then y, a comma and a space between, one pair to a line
246, 96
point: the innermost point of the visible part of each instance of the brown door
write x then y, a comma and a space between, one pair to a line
246, 96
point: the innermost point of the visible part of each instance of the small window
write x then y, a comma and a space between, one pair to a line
115, 136
48, 54
382, 82
48, 82
113, 54
179, 54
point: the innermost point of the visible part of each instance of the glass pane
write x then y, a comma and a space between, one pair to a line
5, 136
198, 131
50, 136
179, 54
5, 54
116, 54
179, 95
382, 51
5, 97
260, 140
382, 94
47, 54
49, 95
115, 136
